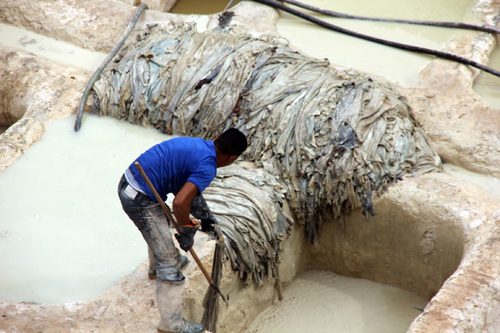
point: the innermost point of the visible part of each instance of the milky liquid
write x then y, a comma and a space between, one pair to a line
63, 234
490, 184
323, 302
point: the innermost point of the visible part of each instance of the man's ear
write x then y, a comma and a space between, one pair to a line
233, 158
226, 160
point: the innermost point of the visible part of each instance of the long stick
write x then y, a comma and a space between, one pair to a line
171, 218
118, 46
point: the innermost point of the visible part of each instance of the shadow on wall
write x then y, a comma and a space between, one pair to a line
8, 116
404, 245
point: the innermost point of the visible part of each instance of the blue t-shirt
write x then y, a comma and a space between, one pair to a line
172, 163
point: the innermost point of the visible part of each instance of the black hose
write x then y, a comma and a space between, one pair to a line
118, 46
439, 54
457, 25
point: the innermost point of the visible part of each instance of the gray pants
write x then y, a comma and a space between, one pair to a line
149, 218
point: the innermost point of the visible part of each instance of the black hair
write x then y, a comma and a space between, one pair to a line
232, 142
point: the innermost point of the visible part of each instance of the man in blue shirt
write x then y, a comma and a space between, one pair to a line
183, 166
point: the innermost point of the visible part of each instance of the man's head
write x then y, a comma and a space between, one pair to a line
229, 146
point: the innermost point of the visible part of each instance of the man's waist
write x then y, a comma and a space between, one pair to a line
132, 182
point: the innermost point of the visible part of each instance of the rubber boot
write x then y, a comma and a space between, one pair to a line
169, 299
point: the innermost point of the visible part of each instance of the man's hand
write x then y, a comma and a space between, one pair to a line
185, 237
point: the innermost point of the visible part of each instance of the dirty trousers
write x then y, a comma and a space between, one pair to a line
149, 218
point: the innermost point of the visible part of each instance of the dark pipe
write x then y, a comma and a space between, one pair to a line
457, 25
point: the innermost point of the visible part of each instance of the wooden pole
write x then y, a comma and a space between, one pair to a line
118, 46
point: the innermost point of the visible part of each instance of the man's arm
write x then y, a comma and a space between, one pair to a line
182, 203
181, 207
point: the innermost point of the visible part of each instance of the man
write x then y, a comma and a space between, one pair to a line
183, 166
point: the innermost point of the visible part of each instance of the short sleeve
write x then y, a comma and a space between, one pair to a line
203, 176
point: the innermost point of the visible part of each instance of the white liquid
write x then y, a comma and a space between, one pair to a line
490, 184
323, 302
63, 234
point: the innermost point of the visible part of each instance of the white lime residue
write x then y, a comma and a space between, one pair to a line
63, 234
50, 48
488, 85
323, 302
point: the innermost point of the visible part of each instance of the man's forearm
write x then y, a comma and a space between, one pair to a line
182, 203
181, 213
